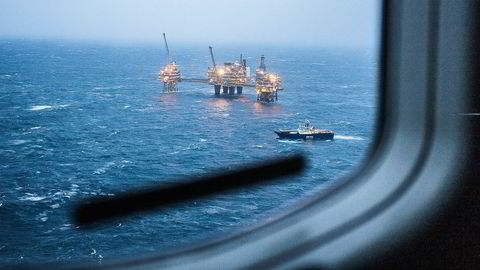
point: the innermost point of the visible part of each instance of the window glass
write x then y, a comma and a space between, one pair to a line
92, 105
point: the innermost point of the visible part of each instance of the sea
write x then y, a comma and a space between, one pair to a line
82, 120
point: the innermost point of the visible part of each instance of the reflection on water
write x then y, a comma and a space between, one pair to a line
266, 109
168, 98
220, 104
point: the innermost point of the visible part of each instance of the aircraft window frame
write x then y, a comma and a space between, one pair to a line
399, 159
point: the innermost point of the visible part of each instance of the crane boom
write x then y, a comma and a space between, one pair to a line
213, 59
166, 47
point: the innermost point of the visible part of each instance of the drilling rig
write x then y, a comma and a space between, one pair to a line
170, 74
232, 75
267, 84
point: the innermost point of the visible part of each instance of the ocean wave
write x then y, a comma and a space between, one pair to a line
211, 210
347, 137
18, 142
42, 216
192, 146
46, 107
40, 107
104, 168
114, 87
251, 207
32, 197
290, 141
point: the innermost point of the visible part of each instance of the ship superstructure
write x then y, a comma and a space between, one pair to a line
305, 131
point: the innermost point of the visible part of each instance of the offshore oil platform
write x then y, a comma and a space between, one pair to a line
227, 78
170, 75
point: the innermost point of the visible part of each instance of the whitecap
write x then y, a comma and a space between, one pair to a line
214, 210
113, 87
124, 162
18, 142
65, 164
54, 206
251, 207
32, 197
45, 107
65, 194
65, 227
203, 140
290, 141
346, 137
40, 107
104, 169
33, 128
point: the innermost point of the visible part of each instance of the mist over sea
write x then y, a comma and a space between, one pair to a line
81, 120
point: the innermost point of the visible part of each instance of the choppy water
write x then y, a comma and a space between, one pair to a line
82, 120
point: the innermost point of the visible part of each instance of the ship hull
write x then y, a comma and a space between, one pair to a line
302, 136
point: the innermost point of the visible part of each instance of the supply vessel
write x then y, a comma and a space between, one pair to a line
305, 131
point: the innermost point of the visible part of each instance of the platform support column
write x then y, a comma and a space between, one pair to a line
231, 90
239, 90
225, 89
217, 89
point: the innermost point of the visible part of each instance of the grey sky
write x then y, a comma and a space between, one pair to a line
344, 23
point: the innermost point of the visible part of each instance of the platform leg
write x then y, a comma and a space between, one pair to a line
239, 90
217, 89
231, 90
225, 89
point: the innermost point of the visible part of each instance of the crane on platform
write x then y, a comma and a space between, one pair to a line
166, 48
213, 58
215, 76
